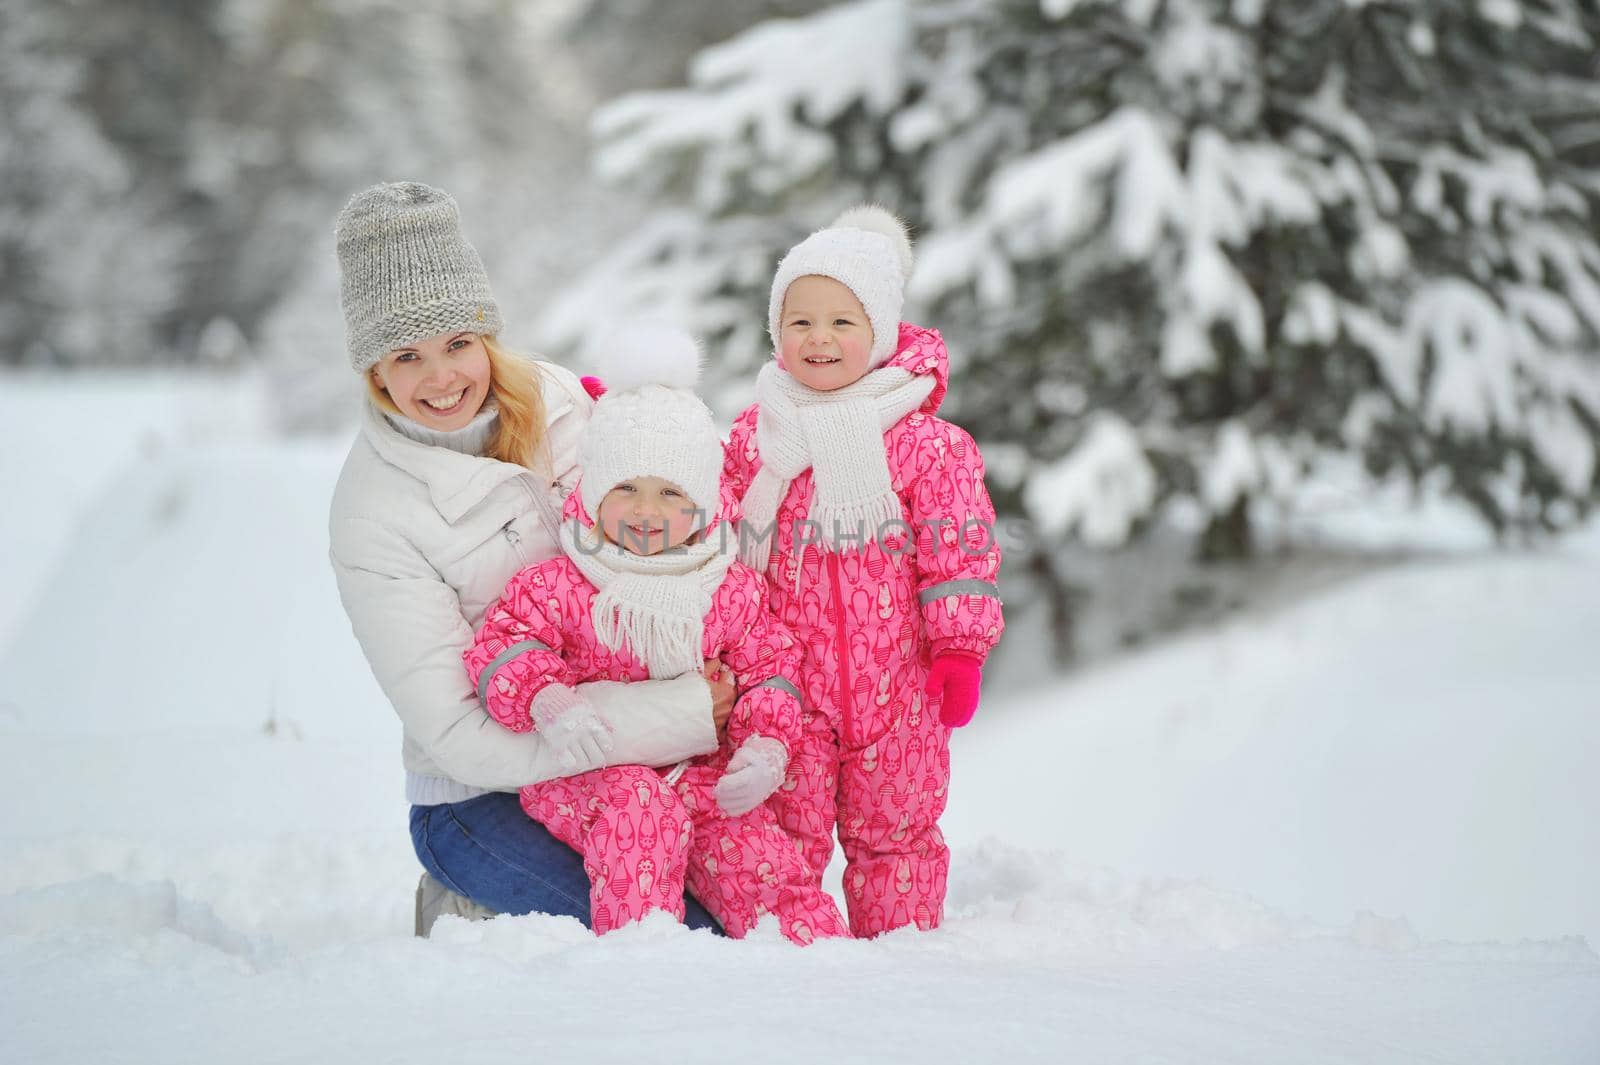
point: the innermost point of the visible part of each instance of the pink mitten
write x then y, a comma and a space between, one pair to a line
953, 679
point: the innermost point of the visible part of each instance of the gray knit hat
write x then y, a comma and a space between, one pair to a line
407, 272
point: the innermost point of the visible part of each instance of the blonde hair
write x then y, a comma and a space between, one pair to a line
518, 386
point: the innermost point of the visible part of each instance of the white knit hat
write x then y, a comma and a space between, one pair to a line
650, 423
868, 251
407, 272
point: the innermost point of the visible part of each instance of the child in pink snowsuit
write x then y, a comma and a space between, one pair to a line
881, 558
647, 588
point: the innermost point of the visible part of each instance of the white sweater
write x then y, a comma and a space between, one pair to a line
422, 540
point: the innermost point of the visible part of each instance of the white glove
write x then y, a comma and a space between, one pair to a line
754, 772
572, 727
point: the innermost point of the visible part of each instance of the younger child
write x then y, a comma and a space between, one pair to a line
648, 589
870, 518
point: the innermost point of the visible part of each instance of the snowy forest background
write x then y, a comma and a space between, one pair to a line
1278, 322
1205, 265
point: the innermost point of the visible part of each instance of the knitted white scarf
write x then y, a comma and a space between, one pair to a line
839, 435
656, 605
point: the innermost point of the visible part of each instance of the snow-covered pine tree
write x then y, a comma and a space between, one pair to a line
90, 266
1190, 253
163, 166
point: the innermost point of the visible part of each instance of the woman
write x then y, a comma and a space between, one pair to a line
456, 482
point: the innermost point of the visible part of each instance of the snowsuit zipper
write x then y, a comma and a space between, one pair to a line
841, 644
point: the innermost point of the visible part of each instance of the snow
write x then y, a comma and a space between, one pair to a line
1419, 35
1474, 368
1414, 744
1507, 13
1352, 828
1235, 469
1561, 441
664, 273
1339, 504
1380, 252
1057, 9
1099, 490
1576, 266
753, 104
1130, 151
542, 987
1313, 315
1048, 200
132, 415
1205, 64
1507, 181
1473, 385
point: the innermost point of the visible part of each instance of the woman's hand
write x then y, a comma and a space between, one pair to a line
723, 688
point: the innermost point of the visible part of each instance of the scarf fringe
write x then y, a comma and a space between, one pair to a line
763, 496
858, 523
838, 435
653, 606
669, 645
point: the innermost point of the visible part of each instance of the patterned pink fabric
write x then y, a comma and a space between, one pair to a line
549, 604
873, 755
641, 839
633, 833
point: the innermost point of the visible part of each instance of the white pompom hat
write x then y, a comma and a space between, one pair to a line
650, 423
868, 251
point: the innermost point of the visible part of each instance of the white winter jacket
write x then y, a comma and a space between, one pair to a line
422, 540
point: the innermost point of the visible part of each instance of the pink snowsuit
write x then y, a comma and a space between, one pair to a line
642, 839
873, 753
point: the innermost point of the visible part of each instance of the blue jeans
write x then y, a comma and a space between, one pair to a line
488, 850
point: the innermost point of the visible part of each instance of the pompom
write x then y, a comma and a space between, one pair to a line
875, 219
630, 358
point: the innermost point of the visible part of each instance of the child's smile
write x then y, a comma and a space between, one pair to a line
646, 516
826, 339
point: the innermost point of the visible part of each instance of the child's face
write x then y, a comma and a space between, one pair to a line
646, 516
440, 382
825, 339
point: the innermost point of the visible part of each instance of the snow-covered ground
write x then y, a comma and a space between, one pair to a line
1353, 828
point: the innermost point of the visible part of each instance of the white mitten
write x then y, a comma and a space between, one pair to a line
575, 731
754, 772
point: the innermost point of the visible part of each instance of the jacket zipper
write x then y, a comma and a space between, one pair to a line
548, 515
513, 537
841, 644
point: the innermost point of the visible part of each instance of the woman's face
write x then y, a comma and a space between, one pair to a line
646, 515
440, 382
